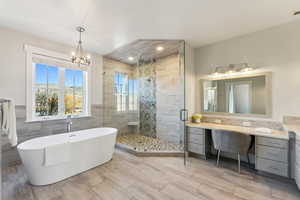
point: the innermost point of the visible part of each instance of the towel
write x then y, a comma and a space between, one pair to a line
57, 154
9, 122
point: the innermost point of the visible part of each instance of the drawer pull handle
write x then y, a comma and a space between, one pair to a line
275, 143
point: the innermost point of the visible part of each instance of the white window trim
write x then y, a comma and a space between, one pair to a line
30, 74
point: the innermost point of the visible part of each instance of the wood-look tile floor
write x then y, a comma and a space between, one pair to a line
136, 178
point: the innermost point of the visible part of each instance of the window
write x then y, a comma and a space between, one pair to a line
133, 95
126, 92
121, 90
55, 96
55, 87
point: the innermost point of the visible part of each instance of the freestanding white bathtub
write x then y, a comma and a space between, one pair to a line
87, 149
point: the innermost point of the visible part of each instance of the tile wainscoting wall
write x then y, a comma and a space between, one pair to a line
31, 130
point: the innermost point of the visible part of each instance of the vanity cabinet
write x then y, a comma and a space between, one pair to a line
196, 140
295, 157
297, 160
271, 155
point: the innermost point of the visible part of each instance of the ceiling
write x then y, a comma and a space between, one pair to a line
113, 23
145, 50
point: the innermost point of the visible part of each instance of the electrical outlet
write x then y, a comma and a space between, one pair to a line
246, 123
218, 121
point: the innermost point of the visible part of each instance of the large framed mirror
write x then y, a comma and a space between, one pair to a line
243, 95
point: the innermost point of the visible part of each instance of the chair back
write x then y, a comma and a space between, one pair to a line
229, 141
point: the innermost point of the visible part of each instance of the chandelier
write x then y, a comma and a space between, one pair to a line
79, 57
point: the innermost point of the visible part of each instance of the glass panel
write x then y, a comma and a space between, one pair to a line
78, 107
69, 95
132, 92
68, 101
74, 92
155, 91
41, 107
52, 75
121, 90
41, 75
46, 90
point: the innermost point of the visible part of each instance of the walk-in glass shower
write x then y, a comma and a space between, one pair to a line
144, 93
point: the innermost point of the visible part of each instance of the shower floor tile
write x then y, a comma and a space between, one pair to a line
140, 143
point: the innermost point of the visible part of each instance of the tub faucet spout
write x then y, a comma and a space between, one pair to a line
69, 123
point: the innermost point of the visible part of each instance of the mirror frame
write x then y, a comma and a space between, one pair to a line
268, 100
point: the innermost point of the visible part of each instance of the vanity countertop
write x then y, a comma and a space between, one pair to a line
247, 130
292, 127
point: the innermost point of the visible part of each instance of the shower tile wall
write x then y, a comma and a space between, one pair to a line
169, 98
111, 117
161, 97
31, 130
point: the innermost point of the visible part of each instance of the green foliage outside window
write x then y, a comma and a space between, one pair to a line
46, 105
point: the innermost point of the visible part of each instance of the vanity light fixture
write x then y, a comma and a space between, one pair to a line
79, 57
159, 48
246, 67
217, 71
231, 69
297, 13
130, 58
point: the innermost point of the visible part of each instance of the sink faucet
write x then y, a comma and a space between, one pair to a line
69, 123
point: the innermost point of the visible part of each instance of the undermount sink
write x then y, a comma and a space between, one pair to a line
136, 123
263, 130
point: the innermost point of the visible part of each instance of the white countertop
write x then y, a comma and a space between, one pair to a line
246, 130
292, 127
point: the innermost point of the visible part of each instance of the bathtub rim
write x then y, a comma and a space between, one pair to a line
23, 146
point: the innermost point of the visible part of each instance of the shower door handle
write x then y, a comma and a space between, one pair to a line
184, 115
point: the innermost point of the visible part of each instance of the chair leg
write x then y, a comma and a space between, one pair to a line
218, 159
239, 163
248, 161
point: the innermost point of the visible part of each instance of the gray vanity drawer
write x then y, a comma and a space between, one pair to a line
272, 153
199, 131
297, 152
272, 142
196, 138
272, 167
297, 175
196, 148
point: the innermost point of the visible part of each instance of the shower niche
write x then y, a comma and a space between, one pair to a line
143, 95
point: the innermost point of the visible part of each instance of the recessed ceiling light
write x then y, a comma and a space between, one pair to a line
130, 58
159, 48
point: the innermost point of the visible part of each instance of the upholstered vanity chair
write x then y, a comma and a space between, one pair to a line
233, 142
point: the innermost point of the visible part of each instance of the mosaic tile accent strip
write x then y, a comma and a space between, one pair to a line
147, 89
